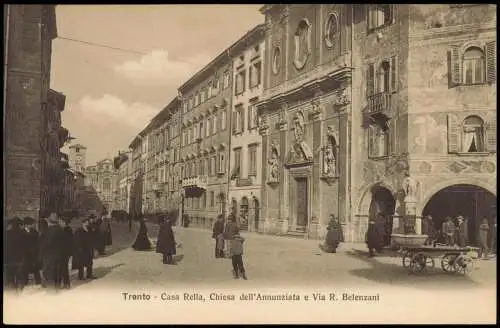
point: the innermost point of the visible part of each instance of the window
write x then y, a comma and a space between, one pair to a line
473, 135
193, 133
202, 95
200, 131
236, 173
214, 164
201, 168
185, 107
209, 91
302, 44
106, 185
252, 156
474, 66
214, 123
380, 15
384, 73
204, 200
252, 115
244, 211
206, 166
255, 74
77, 150
212, 199
226, 80
276, 63
238, 119
239, 87
216, 86
222, 162
208, 129
223, 119
382, 77
378, 141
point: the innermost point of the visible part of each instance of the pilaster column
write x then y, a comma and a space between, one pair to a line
283, 186
264, 132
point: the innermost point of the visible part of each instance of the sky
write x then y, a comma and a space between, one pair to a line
111, 95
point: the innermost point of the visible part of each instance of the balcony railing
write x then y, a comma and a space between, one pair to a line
200, 181
379, 103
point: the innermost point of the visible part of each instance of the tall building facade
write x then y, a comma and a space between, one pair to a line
136, 178
28, 34
377, 109
77, 157
246, 155
123, 166
206, 108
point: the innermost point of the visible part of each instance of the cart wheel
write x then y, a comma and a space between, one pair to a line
447, 263
463, 264
419, 262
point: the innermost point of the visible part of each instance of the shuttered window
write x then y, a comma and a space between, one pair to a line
491, 62
453, 134
370, 79
242, 119
234, 122
491, 135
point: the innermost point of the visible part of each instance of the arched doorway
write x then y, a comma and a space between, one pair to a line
383, 202
256, 212
472, 202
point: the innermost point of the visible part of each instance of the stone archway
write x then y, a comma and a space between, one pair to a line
471, 201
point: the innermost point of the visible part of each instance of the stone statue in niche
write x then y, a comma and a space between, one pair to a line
273, 162
330, 153
409, 187
299, 126
329, 162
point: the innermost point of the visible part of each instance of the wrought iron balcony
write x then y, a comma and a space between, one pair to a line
379, 103
200, 181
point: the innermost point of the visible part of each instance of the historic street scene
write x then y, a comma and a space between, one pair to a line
279, 145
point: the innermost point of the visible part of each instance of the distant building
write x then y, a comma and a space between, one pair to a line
102, 177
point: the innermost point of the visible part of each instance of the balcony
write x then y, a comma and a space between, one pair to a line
379, 104
198, 182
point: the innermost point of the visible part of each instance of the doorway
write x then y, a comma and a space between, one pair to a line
302, 201
383, 202
472, 202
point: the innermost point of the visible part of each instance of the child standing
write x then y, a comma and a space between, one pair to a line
236, 250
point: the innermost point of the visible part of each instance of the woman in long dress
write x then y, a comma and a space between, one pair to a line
166, 242
142, 242
334, 236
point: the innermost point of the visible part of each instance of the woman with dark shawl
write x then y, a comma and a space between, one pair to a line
166, 242
142, 242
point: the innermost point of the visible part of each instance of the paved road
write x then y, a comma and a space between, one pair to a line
269, 261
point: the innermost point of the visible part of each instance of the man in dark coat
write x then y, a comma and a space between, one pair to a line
462, 231
428, 229
68, 248
230, 230
32, 264
373, 237
15, 253
334, 236
51, 250
166, 242
218, 230
84, 250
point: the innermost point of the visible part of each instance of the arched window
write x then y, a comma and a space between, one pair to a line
474, 66
244, 207
302, 44
473, 135
379, 141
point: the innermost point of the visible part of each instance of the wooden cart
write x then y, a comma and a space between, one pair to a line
419, 259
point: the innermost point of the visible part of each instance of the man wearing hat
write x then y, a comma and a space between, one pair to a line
32, 264
50, 251
84, 250
67, 251
15, 248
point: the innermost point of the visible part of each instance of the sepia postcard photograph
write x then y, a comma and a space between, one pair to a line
250, 164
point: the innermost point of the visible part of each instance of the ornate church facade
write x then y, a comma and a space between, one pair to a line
373, 109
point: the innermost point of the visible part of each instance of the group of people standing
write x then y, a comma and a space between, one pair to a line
229, 244
45, 253
455, 232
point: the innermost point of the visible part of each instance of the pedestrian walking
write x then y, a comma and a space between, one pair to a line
373, 237
230, 230
236, 251
142, 242
50, 251
334, 235
32, 263
108, 234
100, 234
68, 250
483, 238
462, 231
15, 254
218, 235
84, 251
166, 242
428, 229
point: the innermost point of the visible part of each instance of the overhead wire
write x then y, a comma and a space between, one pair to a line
102, 45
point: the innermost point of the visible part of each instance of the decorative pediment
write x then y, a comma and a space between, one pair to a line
299, 154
